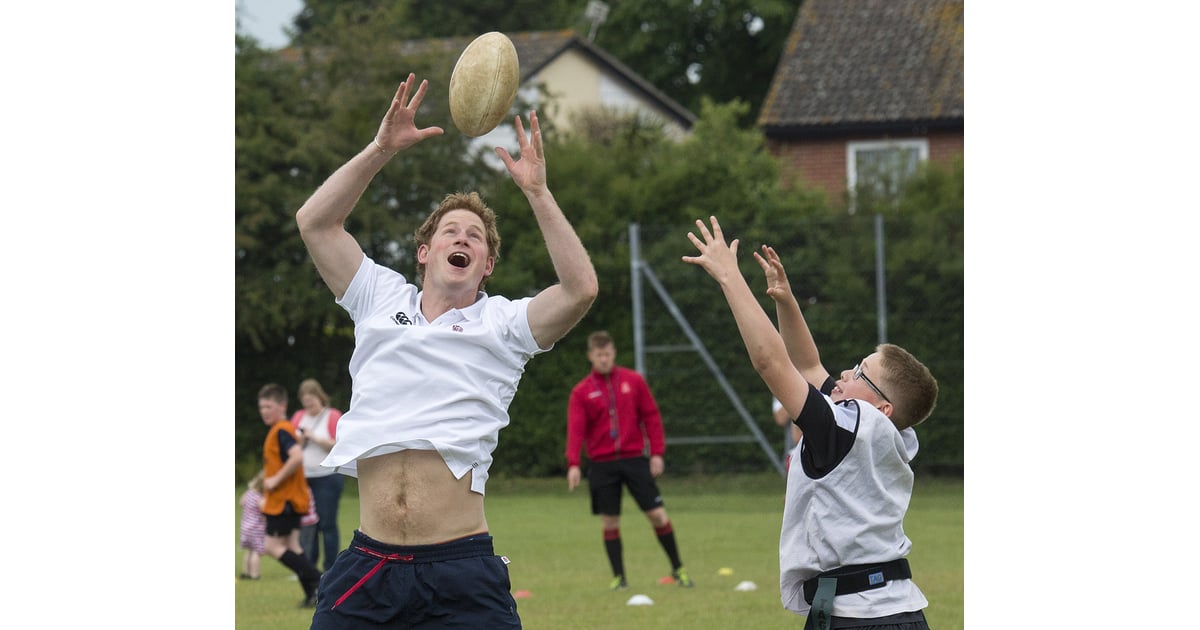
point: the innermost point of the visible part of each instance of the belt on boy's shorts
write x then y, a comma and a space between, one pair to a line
855, 578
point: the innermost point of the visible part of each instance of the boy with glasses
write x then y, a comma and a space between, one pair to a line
842, 547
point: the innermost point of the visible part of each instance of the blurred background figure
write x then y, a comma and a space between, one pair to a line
791, 432
612, 415
287, 495
252, 528
316, 424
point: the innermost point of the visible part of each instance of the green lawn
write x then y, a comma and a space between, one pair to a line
730, 521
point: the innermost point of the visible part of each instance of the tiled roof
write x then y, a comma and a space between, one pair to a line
868, 63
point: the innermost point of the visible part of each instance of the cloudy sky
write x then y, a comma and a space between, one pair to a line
265, 19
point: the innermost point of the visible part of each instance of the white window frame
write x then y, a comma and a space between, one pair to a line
854, 147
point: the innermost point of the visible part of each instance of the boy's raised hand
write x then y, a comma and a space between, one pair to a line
778, 287
717, 258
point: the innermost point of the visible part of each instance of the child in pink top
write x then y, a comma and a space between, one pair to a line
253, 527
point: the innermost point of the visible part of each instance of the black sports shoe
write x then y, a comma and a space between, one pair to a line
309, 602
618, 583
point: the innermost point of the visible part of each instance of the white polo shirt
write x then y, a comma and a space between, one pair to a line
443, 385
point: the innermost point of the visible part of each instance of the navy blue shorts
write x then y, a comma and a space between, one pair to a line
459, 584
606, 478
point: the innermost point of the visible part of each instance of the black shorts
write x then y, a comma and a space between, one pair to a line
282, 524
458, 584
914, 620
605, 479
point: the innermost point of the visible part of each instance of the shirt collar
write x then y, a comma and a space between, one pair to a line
474, 312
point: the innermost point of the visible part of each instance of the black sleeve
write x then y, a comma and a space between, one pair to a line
824, 443
285, 444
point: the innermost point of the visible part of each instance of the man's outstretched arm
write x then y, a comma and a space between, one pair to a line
322, 218
556, 309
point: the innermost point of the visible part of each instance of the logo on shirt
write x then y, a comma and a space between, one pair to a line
401, 319
456, 328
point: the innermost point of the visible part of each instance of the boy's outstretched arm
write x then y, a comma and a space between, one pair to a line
763, 343
801, 347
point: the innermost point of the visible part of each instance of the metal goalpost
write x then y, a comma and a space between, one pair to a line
639, 268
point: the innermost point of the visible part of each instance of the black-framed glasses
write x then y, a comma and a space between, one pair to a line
858, 373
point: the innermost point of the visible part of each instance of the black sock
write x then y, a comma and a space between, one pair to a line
666, 538
308, 575
612, 544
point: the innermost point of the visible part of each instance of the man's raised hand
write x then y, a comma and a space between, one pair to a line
399, 130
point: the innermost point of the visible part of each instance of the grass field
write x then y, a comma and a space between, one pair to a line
731, 521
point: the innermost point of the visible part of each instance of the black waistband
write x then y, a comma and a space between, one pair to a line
857, 578
469, 547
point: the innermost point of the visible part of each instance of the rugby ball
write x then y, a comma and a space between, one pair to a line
484, 84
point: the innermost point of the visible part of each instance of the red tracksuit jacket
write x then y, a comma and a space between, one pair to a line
595, 400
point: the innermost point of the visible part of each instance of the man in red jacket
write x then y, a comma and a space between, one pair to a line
612, 413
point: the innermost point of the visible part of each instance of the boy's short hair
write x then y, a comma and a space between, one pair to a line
599, 339
912, 389
272, 391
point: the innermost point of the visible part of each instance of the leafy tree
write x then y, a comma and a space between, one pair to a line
689, 49
594, 175
604, 181
925, 254
301, 115
692, 49
276, 299
320, 20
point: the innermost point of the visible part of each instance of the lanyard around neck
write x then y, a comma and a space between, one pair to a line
613, 425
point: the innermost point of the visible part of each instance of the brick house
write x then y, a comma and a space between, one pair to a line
864, 90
